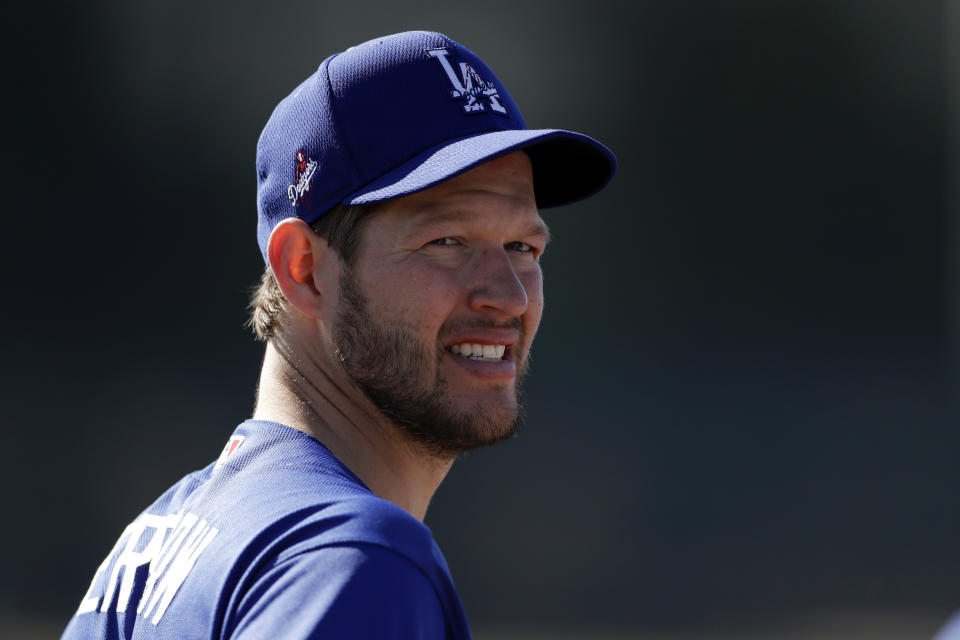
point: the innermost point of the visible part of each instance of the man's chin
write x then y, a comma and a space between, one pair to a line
501, 398
454, 432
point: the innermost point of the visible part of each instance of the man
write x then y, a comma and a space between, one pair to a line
398, 217
950, 630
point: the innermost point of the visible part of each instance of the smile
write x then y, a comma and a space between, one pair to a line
473, 351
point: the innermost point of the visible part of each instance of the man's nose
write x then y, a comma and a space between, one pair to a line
494, 284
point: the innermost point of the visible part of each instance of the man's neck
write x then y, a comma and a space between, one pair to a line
315, 397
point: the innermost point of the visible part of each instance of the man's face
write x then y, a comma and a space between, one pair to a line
437, 315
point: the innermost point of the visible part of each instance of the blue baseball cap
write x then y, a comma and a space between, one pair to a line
399, 114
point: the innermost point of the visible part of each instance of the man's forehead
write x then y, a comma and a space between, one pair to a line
462, 204
454, 211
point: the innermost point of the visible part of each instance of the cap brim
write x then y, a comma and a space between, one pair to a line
567, 166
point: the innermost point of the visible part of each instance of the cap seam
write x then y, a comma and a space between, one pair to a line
335, 113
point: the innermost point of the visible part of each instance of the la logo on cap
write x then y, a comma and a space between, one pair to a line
469, 86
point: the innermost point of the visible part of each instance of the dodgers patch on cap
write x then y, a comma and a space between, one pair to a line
399, 114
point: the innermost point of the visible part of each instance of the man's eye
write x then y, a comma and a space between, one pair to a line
522, 247
444, 242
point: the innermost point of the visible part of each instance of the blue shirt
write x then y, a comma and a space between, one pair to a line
951, 630
277, 539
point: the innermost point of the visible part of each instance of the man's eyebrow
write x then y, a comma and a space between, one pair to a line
541, 229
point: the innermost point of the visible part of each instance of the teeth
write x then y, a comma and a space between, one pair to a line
479, 351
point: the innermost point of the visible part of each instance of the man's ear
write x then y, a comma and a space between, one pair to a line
296, 254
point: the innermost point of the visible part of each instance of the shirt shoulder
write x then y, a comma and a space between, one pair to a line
350, 590
360, 561
361, 519
951, 630
279, 501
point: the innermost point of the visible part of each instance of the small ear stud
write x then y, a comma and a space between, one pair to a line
339, 355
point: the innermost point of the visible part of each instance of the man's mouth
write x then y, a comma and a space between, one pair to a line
482, 352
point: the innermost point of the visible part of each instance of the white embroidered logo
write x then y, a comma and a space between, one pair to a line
299, 192
469, 87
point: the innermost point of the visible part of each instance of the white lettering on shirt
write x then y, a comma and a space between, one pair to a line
168, 545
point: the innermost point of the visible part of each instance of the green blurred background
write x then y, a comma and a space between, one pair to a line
744, 410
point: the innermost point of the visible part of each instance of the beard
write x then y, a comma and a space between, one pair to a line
404, 381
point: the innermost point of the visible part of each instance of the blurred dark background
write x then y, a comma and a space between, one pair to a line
744, 411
